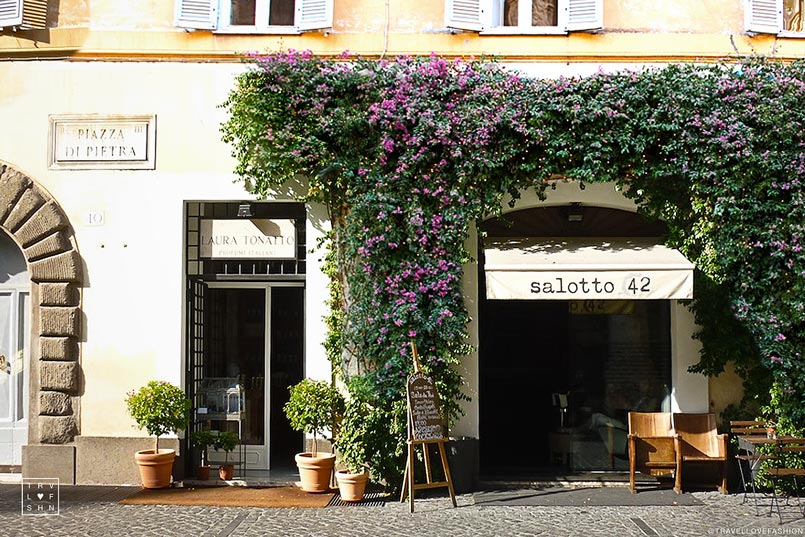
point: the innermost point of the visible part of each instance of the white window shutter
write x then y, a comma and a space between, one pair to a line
197, 14
24, 14
314, 14
584, 15
10, 13
465, 14
764, 16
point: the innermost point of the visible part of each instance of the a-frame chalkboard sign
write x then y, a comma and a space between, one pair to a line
425, 427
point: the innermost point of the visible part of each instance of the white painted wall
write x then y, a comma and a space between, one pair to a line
690, 392
316, 294
132, 298
468, 424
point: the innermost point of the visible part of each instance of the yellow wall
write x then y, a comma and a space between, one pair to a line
634, 31
418, 16
725, 389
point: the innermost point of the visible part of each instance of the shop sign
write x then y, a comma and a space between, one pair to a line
425, 419
257, 238
592, 268
586, 285
102, 142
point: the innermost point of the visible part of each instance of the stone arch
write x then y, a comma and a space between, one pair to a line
42, 230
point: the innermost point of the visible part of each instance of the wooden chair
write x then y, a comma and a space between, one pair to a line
750, 459
748, 428
699, 443
787, 467
652, 445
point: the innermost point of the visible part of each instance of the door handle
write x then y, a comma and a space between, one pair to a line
4, 364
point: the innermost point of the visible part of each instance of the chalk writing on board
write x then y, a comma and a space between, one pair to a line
423, 405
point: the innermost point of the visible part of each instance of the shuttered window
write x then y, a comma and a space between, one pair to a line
525, 16
464, 14
254, 16
10, 12
24, 14
584, 14
786, 17
314, 14
199, 14
764, 16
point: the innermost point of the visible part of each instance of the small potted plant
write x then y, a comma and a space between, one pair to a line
353, 452
313, 407
203, 440
226, 441
160, 408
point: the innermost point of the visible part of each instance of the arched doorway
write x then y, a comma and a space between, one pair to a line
40, 231
557, 376
15, 345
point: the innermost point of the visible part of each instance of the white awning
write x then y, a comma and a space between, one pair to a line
585, 269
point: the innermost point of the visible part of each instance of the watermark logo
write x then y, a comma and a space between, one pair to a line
40, 496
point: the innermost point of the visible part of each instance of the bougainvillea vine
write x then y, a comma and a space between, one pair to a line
408, 154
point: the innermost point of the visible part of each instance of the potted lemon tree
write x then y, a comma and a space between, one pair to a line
313, 407
226, 441
160, 408
354, 452
203, 439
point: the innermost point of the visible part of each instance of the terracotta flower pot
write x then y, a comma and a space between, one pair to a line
226, 471
315, 472
351, 486
202, 473
155, 468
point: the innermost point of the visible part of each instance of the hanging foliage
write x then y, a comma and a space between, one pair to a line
407, 154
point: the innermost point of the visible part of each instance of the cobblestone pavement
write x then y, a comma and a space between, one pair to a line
95, 511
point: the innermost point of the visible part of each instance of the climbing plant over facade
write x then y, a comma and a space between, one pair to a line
407, 154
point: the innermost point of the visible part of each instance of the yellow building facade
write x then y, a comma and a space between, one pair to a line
114, 184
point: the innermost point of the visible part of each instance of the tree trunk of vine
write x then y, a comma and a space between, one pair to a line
351, 364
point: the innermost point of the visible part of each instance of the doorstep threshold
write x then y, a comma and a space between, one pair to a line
10, 478
569, 480
259, 482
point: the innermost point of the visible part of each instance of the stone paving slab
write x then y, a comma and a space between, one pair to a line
95, 511
583, 496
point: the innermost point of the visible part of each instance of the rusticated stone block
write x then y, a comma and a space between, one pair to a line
56, 429
55, 404
58, 376
58, 294
48, 219
12, 183
64, 267
61, 348
60, 321
50, 245
30, 202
